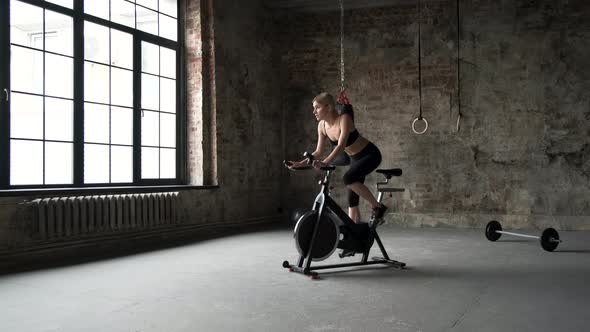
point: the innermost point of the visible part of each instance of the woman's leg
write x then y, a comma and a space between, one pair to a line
353, 205
362, 190
360, 166
378, 209
354, 213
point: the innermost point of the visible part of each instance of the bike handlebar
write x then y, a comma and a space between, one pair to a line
310, 159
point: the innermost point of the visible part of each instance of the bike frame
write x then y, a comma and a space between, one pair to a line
324, 203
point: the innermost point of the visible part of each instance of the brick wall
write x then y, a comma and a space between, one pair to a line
522, 152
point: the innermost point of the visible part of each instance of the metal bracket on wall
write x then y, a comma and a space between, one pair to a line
458, 124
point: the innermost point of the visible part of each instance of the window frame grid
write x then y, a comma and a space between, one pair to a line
78, 18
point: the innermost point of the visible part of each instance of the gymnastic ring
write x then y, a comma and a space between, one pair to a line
414, 126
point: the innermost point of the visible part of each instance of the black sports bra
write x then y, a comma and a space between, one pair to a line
352, 137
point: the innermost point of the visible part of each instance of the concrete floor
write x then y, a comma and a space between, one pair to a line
456, 280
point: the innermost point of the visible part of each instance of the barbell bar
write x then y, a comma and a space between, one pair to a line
549, 239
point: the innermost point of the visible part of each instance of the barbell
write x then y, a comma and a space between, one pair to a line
549, 238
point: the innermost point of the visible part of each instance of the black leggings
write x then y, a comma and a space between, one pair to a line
361, 165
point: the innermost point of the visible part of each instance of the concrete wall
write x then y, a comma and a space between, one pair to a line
247, 123
522, 153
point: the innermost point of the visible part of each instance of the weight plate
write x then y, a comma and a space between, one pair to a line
546, 239
491, 229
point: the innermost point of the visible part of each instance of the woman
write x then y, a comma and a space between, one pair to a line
339, 129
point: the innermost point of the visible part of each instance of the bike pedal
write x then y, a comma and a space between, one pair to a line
346, 253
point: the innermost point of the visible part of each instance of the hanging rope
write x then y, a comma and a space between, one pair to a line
342, 99
341, 45
420, 59
459, 67
419, 118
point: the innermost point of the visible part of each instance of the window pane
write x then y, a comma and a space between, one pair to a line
96, 82
153, 4
26, 162
168, 95
150, 92
59, 33
121, 87
167, 163
99, 8
122, 49
96, 42
150, 58
59, 163
168, 27
96, 123
149, 163
26, 70
147, 20
59, 119
96, 163
65, 3
59, 76
25, 21
168, 62
42, 127
169, 7
150, 131
121, 125
121, 164
123, 12
26, 116
168, 130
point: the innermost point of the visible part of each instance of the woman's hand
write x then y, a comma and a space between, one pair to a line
319, 164
295, 164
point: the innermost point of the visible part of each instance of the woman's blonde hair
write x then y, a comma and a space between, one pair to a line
325, 99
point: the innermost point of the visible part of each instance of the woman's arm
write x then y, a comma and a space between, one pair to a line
318, 150
320, 147
345, 126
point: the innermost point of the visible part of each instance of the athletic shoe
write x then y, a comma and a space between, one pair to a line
378, 214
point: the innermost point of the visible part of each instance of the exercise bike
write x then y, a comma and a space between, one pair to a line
326, 227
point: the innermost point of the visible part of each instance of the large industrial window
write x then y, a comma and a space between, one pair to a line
90, 93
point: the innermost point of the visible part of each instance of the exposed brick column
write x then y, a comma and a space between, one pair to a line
200, 85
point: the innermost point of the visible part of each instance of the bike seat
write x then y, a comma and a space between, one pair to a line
390, 172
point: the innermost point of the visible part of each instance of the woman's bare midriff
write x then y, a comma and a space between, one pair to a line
357, 146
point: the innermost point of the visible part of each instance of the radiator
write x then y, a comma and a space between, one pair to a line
60, 217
